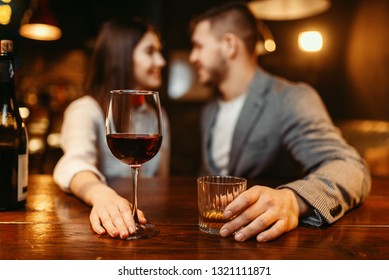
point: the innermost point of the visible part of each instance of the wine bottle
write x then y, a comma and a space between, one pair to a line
13, 136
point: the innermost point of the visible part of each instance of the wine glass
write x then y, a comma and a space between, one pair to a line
134, 136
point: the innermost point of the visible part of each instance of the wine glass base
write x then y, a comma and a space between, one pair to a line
143, 231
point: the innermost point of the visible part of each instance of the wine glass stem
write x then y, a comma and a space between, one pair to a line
134, 173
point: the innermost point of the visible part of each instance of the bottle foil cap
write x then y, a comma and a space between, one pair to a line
6, 46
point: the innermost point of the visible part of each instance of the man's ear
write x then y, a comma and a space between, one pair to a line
230, 45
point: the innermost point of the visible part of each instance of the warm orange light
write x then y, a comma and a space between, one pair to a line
38, 22
267, 44
287, 9
24, 112
270, 45
39, 31
5, 14
310, 41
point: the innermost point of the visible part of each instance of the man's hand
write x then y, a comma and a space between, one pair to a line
263, 211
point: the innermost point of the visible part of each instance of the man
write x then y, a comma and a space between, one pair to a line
265, 126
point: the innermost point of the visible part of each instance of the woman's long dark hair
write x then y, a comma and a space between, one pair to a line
112, 60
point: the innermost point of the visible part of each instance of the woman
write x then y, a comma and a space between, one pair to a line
127, 55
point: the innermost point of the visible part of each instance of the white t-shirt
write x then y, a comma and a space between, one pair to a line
223, 131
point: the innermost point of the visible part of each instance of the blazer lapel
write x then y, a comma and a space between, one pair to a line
208, 126
248, 117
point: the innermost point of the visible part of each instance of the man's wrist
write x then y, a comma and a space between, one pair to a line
304, 208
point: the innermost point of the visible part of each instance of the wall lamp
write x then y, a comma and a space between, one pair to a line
268, 44
5, 12
310, 41
287, 9
38, 22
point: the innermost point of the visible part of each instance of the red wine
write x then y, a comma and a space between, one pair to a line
134, 149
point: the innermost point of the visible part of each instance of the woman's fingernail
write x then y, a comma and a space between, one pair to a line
131, 229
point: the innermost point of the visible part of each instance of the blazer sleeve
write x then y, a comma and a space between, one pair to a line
336, 177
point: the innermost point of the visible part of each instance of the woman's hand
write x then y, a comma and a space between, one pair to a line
112, 214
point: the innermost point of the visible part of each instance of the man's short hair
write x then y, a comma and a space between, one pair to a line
232, 17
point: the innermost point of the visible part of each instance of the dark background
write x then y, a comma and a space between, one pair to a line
350, 73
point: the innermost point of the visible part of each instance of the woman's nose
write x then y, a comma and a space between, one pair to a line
161, 62
192, 57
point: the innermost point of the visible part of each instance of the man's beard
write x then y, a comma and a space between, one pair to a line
216, 74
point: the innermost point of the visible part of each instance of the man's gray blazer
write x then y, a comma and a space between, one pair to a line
284, 131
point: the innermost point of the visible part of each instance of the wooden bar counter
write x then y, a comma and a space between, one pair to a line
55, 226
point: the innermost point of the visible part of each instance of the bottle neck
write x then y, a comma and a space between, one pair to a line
7, 76
7, 85
7, 68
